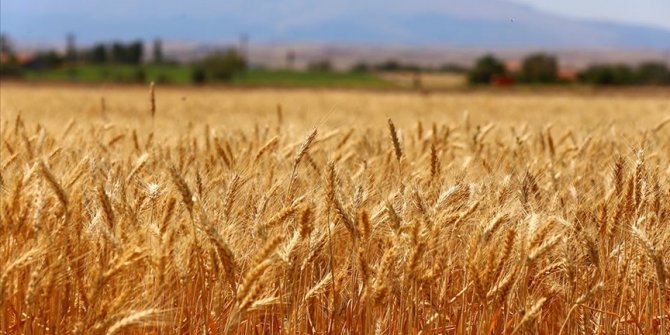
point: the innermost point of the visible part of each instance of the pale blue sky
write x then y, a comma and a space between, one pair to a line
282, 20
650, 12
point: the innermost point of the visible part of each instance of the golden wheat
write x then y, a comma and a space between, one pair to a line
201, 218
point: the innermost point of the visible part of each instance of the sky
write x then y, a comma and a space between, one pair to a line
49, 20
648, 12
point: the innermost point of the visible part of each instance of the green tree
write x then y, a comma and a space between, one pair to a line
323, 65
130, 53
6, 45
452, 68
389, 65
222, 66
610, 74
198, 75
118, 52
485, 69
135, 52
652, 73
46, 60
393, 65
70, 48
360, 67
98, 53
539, 68
9, 66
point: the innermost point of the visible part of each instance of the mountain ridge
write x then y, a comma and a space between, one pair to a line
468, 23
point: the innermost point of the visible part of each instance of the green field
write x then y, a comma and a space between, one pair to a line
178, 74
114, 73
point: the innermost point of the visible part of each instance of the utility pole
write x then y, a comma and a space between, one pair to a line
70, 48
290, 59
158, 51
243, 47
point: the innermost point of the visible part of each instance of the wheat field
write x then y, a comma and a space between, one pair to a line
210, 211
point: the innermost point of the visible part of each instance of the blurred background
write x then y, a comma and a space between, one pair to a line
420, 44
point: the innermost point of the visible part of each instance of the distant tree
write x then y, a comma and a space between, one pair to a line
158, 51
611, 74
135, 52
6, 45
119, 52
652, 73
485, 69
393, 65
127, 53
198, 75
389, 65
453, 68
70, 48
10, 66
98, 53
223, 65
360, 67
623, 74
46, 60
539, 68
649, 73
323, 65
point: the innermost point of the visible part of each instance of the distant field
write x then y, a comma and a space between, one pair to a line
171, 74
430, 81
219, 210
113, 73
563, 107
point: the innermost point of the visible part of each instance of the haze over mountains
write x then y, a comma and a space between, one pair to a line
471, 23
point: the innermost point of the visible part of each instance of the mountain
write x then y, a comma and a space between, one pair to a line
469, 23
494, 23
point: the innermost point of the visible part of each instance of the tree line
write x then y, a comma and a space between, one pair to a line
116, 52
541, 68
223, 65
